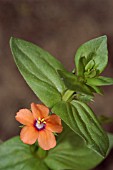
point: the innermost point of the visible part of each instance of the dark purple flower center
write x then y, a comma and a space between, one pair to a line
40, 124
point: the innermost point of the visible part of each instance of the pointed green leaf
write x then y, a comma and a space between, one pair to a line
73, 83
100, 81
81, 119
14, 155
38, 68
96, 89
95, 50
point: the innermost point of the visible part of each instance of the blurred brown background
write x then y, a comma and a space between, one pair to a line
59, 26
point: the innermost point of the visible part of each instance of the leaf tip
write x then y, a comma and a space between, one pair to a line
11, 41
103, 38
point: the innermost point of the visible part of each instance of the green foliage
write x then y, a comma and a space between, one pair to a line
39, 70
18, 156
65, 94
74, 83
91, 59
70, 153
100, 81
84, 98
81, 119
92, 55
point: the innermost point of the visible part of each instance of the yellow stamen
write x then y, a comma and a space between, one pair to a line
42, 120
38, 121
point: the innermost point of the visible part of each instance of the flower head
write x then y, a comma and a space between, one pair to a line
39, 125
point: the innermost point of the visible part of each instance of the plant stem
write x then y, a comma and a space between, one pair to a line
41, 153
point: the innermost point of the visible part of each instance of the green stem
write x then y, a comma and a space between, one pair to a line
41, 153
67, 95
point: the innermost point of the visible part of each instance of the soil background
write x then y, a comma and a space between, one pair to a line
60, 27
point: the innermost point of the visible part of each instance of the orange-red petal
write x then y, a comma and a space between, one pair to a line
29, 135
25, 117
53, 123
46, 140
39, 110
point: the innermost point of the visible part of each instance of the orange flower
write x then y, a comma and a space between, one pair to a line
39, 125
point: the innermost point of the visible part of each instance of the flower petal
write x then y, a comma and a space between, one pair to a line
39, 110
46, 140
25, 117
53, 123
29, 135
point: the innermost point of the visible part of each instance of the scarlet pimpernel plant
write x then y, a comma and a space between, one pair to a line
63, 132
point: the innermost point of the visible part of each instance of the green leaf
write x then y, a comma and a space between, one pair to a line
95, 50
18, 156
90, 65
96, 89
71, 153
68, 154
110, 135
81, 68
91, 73
81, 119
73, 83
84, 98
38, 68
99, 81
